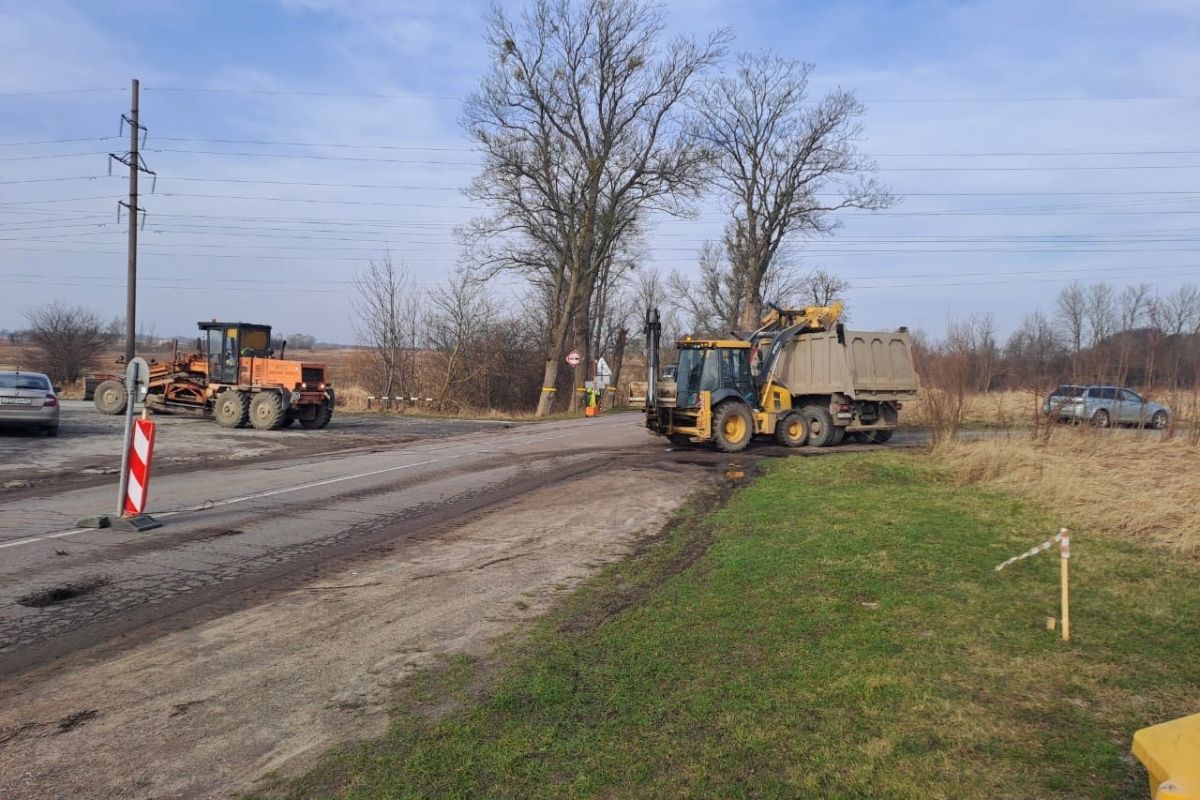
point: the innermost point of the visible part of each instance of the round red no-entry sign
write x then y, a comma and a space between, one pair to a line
573, 358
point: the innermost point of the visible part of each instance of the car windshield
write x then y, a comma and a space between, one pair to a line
35, 382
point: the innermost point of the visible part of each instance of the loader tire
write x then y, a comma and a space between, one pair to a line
231, 409
679, 440
791, 430
732, 426
110, 397
266, 411
821, 430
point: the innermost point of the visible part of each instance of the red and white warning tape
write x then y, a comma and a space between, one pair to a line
1061, 538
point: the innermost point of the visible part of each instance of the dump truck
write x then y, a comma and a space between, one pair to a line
802, 378
234, 377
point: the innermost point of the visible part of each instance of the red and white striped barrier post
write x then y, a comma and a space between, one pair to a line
141, 451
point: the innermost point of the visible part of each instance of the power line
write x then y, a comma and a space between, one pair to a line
46, 93
52, 155
58, 141
301, 93
300, 156
55, 180
1046, 99
332, 145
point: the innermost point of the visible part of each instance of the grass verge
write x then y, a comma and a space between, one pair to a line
835, 631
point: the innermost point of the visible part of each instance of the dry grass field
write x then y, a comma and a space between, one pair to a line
1141, 486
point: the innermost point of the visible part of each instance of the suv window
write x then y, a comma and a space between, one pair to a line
1102, 392
1067, 391
1130, 397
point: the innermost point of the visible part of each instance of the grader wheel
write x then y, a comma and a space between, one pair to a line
230, 409
110, 397
266, 411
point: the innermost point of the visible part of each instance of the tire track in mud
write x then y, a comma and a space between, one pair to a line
125, 612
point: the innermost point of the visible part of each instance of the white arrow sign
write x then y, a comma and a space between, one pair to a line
603, 372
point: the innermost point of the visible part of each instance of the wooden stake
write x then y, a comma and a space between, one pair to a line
1064, 561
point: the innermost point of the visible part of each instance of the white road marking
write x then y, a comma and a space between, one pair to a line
272, 492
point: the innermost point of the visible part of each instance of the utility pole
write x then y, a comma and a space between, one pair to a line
133, 160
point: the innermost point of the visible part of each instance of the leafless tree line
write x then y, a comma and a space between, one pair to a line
1096, 333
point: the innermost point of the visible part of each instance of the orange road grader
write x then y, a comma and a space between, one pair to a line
236, 378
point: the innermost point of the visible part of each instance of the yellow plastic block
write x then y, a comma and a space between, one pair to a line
1171, 753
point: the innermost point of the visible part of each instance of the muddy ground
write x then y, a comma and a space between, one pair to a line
206, 711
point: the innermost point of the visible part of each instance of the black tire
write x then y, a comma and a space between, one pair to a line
679, 440
1159, 420
1101, 419
732, 426
288, 421
323, 415
110, 397
230, 409
51, 430
821, 430
791, 430
266, 411
880, 437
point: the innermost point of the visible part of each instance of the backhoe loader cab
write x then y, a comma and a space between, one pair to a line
711, 398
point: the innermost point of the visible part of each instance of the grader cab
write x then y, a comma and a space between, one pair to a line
235, 377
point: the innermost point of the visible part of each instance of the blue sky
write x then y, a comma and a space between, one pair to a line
1079, 121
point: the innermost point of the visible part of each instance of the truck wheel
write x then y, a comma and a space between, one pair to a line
880, 437
732, 427
791, 430
266, 411
111, 397
821, 430
679, 440
230, 409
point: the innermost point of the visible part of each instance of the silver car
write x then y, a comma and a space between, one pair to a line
28, 400
1105, 406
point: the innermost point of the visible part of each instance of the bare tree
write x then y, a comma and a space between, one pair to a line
714, 301
823, 288
1134, 304
1072, 311
387, 307
461, 317
786, 164
66, 341
1101, 312
578, 123
1181, 310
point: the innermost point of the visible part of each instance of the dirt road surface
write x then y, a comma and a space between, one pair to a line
273, 613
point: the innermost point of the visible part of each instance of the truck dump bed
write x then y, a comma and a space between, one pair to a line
865, 365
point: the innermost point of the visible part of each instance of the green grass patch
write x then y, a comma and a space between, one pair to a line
836, 630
